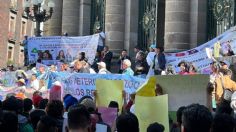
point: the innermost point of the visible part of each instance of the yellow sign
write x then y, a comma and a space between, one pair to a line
109, 90
148, 88
217, 49
150, 110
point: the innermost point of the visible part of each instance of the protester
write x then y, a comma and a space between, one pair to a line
68, 101
169, 70
224, 86
102, 68
151, 54
137, 50
123, 56
28, 105
127, 122
141, 65
96, 60
225, 64
79, 119
82, 57
223, 123
34, 82
159, 62
126, 66
9, 122
79, 67
183, 68
107, 57
196, 118
47, 124
36, 99
155, 127
101, 41
43, 103
35, 116
177, 126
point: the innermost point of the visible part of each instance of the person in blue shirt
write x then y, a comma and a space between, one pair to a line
126, 66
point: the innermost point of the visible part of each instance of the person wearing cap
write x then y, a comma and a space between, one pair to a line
225, 64
126, 66
159, 61
102, 68
123, 56
21, 86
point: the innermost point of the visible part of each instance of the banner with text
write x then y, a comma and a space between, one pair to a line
198, 55
51, 50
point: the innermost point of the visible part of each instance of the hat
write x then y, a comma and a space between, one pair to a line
69, 101
225, 62
102, 64
21, 81
153, 46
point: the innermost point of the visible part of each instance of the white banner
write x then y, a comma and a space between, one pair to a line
198, 55
55, 48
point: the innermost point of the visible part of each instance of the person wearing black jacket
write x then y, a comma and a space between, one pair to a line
159, 61
123, 56
141, 65
107, 57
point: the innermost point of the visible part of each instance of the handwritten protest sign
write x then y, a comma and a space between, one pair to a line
109, 90
152, 109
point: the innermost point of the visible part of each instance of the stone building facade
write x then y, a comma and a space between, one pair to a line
175, 25
14, 26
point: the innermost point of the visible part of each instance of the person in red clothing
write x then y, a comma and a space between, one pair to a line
183, 68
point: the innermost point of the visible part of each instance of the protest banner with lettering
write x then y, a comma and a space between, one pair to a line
150, 110
51, 50
79, 85
198, 55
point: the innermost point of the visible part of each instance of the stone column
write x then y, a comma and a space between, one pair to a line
198, 23
115, 24
53, 26
84, 20
131, 25
70, 17
177, 25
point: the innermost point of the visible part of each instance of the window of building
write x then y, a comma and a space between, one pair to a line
12, 24
10, 53
23, 29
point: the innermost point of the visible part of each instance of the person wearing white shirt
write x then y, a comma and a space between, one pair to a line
34, 82
102, 68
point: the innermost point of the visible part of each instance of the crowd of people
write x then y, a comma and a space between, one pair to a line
39, 114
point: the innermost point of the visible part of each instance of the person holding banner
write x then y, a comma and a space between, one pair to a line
80, 67
102, 68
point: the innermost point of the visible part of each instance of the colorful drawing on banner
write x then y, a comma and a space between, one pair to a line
150, 110
148, 88
108, 115
51, 50
109, 90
